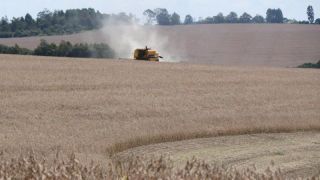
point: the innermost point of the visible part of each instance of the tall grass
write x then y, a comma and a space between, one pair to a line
134, 168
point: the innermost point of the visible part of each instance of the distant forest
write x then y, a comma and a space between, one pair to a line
58, 22
161, 16
76, 20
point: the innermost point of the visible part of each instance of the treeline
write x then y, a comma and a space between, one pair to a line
64, 49
58, 22
75, 20
161, 16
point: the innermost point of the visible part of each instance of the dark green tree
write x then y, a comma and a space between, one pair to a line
150, 15
258, 19
80, 50
274, 16
303, 22
208, 20
232, 18
188, 19
18, 24
163, 16
310, 14
4, 25
279, 16
101, 51
57, 22
30, 22
64, 49
14, 50
245, 18
5, 28
219, 18
46, 49
44, 19
175, 19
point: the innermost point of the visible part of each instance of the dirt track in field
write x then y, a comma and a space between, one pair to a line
297, 154
228, 44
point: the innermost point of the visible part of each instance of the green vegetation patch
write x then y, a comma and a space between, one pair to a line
64, 49
310, 65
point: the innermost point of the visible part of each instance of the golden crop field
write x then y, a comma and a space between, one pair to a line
87, 105
97, 108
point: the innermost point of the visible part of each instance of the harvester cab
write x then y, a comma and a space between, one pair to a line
146, 54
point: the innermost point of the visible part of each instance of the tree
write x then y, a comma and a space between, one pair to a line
163, 17
208, 20
150, 16
279, 16
101, 51
4, 24
232, 18
188, 19
290, 21
219, 18
258, 19
317, 21
64, 49
245, 18
17, 24
175, 19
57, 22
29, 20
80, 50
122, 17
46, 49
303, 22
274, 16
310, 14
269, 16
44, 19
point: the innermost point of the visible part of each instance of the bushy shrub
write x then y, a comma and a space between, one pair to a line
64, 49
310, 65
303, 22
46, 49
14, 50
6, 34
101, 51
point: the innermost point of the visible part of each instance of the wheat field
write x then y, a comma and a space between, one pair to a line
295, 153
93, 106
273, 45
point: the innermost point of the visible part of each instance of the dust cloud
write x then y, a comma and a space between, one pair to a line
125, 38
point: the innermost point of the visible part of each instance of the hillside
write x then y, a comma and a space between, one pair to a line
87, 105
95, 107
297, 154
279, 45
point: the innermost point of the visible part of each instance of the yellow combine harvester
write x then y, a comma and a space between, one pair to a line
146, 54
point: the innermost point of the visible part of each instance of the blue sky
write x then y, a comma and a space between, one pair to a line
197, 8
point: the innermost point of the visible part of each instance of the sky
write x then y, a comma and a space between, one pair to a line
293, 9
